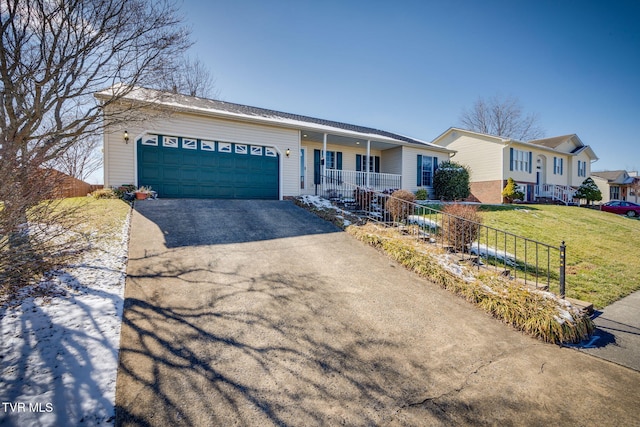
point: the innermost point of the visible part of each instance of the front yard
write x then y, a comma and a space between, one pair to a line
602, 248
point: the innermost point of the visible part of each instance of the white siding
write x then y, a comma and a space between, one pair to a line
483, 156
391, 161
603, 185
120, 167
410, 166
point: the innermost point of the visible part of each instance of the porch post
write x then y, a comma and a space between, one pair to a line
323, 162
368, 160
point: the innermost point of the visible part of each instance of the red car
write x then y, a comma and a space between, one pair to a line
621, 207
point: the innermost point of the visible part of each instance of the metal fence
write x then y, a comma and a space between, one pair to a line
535, 263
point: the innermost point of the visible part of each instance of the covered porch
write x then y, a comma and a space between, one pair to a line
329, 162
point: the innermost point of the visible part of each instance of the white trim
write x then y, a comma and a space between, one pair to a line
193, 143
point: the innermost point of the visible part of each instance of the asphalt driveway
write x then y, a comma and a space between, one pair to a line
259, 313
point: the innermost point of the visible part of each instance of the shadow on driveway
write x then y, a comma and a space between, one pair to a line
194, 222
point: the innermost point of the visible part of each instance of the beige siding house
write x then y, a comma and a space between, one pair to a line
617, 185
550, 168
193, 147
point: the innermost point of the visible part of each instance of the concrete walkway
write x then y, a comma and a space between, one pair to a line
617, 337
259, 313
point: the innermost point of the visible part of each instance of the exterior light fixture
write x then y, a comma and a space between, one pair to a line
288, 152
126, 137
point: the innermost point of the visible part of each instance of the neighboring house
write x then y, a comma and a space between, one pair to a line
550, 168
213, 149
616, 185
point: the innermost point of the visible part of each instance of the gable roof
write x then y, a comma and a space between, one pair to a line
185, 103
550, 144
614, 177
555, 141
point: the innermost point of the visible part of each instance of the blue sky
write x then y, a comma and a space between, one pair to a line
412, 66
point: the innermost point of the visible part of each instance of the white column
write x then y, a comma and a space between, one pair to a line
323, 162
368, 160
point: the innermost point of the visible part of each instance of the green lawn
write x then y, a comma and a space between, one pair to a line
602, 248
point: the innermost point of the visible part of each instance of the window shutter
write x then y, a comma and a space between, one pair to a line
435, 165
561, 166
511, 158
358, 162
555, 165
419, 181
530, 160
339, 160
316, 166
376, 164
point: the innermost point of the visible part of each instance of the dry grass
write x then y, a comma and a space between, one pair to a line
58, 233
539, 314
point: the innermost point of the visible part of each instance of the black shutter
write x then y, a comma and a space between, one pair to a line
511, 158
339, 160
419, 181
316, 167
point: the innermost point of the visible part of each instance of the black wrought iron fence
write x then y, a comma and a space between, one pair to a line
535, 263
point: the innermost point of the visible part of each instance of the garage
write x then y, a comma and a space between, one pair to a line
182, 167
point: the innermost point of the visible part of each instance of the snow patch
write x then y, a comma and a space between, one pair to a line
61, 354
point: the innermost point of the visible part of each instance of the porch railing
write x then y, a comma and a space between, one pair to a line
338, 182
535, 263
563, 193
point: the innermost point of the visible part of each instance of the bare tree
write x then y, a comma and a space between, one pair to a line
501, 117
54, 55
81, 159
191, 78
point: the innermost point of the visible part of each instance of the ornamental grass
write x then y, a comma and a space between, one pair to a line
537, 313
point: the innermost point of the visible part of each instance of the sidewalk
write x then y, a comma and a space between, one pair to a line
617, 337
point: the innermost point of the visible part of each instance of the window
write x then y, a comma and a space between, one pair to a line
330, 160
582, 168
557, 166
241, 149
427, 165
256, 151
170, 141
270, 152
520, 160
208, 145
374, 163
614, 192
150, 140
190, 144
224, 147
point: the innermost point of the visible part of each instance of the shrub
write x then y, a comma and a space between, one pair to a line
511, 192
422, 194
124, 189
451, 181
460, 226
589, 191
104, 193
400, 204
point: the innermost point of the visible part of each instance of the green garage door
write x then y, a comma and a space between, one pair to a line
179, 167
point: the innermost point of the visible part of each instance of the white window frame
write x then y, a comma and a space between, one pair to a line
189, 143
207, 145
520, 160
224, 147
150, 140
256, 150
241, 149
270, 152
330, 160
170, 141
